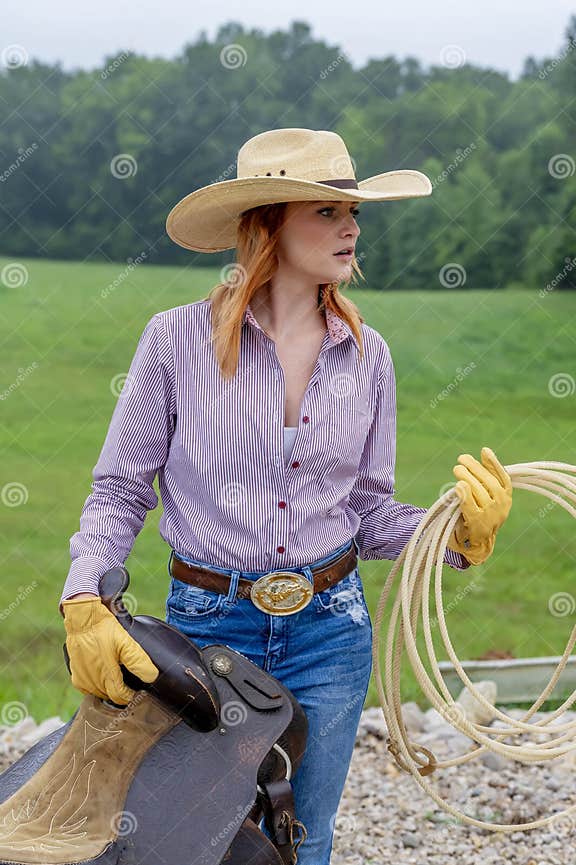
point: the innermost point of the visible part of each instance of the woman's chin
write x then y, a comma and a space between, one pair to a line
343, 272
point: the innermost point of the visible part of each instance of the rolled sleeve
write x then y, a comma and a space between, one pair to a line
386, 526
136, 446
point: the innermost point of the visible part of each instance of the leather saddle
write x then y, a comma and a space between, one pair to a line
182, 775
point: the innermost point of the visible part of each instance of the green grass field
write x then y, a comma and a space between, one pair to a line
63, 343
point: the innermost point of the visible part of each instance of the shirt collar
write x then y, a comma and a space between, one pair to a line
338, 329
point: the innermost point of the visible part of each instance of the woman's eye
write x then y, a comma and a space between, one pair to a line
354, 212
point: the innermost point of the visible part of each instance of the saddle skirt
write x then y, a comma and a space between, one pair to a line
182, 775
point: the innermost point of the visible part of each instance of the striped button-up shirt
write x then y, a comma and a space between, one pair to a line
216, 445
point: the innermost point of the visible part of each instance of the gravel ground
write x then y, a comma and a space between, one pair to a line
385, 817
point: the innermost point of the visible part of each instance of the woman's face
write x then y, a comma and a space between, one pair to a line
313, 231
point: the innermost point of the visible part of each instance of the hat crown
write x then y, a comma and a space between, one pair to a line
303, 154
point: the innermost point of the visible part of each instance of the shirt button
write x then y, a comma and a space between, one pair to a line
281, 504
305, 419
280, 549
295, 465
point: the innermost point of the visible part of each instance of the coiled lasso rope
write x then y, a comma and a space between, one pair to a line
428, 545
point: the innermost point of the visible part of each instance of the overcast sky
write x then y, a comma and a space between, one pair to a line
492, 33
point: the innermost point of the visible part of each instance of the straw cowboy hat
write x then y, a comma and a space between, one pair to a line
282, 165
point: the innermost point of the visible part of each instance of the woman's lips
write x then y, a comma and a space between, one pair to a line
347, 256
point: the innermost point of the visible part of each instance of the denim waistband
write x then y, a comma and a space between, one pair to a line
248, 575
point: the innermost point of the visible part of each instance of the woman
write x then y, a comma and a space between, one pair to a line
275, 356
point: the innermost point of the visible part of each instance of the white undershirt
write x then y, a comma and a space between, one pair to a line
289, 436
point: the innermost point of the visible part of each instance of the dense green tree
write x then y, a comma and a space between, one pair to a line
91, 161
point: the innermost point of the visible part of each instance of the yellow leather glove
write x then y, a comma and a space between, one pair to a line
485, 493
97, 644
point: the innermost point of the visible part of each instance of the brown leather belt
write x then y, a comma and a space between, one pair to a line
279, 592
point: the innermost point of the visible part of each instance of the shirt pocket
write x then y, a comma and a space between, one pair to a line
349, 424
186, 601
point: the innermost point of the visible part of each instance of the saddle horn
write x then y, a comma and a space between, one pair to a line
184, 684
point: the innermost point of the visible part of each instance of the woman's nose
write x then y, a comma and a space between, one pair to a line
352, 227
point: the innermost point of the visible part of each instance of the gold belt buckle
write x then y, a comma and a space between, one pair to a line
281, 592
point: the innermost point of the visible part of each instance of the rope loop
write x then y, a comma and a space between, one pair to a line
426, 548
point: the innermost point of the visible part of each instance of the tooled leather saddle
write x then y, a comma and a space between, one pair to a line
182, 775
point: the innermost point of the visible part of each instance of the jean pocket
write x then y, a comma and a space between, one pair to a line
345, 598
335, 594
186, 601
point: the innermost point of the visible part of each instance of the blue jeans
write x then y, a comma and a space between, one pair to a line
323, 654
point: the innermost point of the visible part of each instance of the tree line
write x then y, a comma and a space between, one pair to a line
91, 161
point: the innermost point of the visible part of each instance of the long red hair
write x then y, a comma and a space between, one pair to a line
256, 262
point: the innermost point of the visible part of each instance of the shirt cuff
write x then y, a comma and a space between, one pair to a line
456, 560
84, 576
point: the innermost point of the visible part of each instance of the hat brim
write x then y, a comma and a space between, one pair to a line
206, 220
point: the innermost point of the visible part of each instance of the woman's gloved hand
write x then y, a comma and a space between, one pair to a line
485, 493
97, 644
